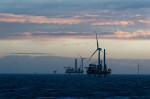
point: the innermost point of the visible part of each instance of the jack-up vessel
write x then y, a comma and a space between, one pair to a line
98, 69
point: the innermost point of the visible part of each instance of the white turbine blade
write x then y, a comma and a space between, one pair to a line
92, 55
97, 41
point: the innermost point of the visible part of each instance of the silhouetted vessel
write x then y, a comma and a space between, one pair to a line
75, 69
98, 69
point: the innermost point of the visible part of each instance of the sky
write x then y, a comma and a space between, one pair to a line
46, 35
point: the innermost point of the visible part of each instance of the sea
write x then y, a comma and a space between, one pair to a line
78, 86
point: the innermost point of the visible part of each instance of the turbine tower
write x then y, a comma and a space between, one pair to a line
98, 49
105, 68
139, 69
81, 61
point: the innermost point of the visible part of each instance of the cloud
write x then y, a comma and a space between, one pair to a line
82, 18
119, 34
77, 44
66, 35
128, 35
123, 23
73, 19
12, 18
87, 18
146, 22
53, 8
30, 54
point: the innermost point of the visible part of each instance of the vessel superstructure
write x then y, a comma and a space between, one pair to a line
75, 69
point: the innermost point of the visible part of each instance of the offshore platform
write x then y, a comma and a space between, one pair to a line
75, 69
98, 69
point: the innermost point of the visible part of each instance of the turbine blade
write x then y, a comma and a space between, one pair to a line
79, 55
92, 55
97, 41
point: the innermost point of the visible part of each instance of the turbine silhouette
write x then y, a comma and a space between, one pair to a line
98, 49
82, 60
139, 69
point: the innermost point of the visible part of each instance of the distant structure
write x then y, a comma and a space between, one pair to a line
139, 69
54, 72
75, 69
82, 62
98, 69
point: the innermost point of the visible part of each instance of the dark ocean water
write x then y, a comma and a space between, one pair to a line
25, 86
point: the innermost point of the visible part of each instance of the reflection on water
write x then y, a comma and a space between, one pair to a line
74, 87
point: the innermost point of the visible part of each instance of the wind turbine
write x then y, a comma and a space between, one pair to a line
139, 68
98, 49
82, 61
